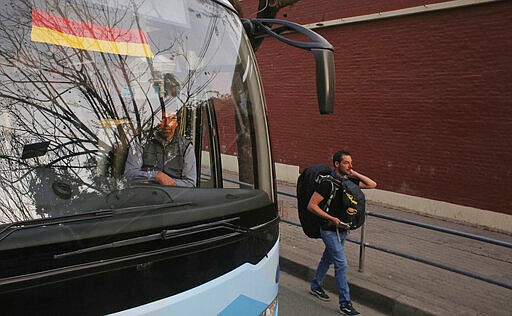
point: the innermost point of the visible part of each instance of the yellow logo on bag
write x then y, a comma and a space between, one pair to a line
352, 211
351, 198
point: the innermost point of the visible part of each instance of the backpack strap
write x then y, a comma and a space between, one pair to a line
334, 188
331, 196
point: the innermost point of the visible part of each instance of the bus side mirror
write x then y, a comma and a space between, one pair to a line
325, 79
322, 51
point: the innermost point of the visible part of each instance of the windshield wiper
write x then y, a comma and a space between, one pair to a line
168, 234
152, 207
12, 227
103, 213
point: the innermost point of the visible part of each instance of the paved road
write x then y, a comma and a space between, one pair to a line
295, 300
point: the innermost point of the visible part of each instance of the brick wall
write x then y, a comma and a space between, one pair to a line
423, 102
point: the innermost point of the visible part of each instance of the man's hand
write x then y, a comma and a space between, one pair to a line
164, 179
366, 183
339, 223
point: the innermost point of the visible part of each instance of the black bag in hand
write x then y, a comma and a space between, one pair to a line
354, 212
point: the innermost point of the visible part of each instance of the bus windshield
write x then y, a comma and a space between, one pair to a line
85, 86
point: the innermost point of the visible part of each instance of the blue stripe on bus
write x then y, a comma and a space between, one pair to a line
244, 305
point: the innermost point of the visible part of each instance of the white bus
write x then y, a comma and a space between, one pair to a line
82, 82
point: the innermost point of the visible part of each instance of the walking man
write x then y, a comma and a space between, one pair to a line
334, 231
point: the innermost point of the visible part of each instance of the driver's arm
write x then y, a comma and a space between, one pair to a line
189, 170
133, 166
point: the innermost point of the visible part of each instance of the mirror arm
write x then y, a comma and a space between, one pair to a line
322, 50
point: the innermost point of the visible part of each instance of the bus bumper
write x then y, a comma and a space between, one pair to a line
247, 290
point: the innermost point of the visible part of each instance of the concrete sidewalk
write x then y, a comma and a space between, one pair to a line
401, 286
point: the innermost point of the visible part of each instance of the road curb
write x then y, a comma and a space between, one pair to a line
384, 300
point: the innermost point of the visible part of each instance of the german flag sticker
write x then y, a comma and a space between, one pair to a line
53, 29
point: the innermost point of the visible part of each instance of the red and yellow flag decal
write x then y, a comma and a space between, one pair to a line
53, 29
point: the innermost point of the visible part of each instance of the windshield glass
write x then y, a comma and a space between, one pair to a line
102, 97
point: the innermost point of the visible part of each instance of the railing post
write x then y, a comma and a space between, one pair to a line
362, 246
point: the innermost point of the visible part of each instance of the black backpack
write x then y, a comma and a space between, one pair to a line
305, 188
353, 199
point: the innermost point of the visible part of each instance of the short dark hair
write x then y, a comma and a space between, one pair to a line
338, 156
171, 79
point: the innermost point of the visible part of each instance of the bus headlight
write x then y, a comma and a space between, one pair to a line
272, 309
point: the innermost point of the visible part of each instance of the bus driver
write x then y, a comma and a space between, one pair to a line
166, 158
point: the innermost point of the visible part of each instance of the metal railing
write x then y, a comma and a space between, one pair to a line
363, 245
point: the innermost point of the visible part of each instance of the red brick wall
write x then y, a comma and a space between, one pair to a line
423, 102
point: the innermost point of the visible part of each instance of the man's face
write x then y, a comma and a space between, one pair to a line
168, 126
344, 167
171, 87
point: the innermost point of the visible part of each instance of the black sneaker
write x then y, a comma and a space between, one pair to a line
348, 309
320, 293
